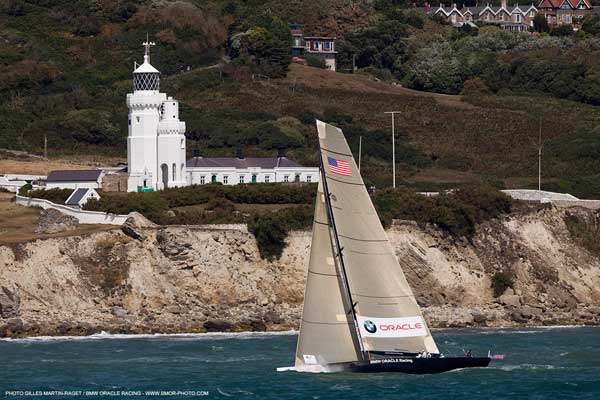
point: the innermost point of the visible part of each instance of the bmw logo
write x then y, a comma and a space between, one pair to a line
370, 327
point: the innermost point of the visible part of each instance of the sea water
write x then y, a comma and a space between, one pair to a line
540, 363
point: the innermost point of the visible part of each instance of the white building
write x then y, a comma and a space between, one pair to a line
80, 196
75, 179
236, 170
156, 146
156, 141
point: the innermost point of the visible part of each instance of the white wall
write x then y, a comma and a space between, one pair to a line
84, 217
73, 185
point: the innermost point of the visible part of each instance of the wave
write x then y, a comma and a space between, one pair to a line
180, 336
529, 367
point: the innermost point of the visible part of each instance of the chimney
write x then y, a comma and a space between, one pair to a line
281, 152
427, 7
504, 4
239, 153
196, 152
454, 5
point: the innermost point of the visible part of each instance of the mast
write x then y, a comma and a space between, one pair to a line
363, 353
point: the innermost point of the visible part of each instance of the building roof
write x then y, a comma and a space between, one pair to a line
146, 67
74, 175
241, 163
76, 196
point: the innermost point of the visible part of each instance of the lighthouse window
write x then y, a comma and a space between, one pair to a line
183, 143
174, 171
137, 119
129, 121
202, 181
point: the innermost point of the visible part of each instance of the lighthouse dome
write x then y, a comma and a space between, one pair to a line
146, 77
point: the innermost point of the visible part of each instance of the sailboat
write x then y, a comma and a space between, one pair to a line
359, 311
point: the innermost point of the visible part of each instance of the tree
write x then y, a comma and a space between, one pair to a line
562, 30
540, 24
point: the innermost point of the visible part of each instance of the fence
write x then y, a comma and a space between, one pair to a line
563, 200
84, 217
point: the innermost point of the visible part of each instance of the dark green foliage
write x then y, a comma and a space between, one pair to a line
270, 229
266, 46
562, 30
56, 195
25, 189
540, 23
315, 61
502, 281
457, 213
158, 202
151, 205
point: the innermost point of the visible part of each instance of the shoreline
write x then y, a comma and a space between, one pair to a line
252, 334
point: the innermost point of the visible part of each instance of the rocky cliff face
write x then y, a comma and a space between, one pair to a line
193, 279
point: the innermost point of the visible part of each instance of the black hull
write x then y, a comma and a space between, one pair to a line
420, 365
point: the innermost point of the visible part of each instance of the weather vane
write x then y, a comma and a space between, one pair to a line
147, 45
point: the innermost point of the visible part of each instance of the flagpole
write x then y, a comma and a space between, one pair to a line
393, 147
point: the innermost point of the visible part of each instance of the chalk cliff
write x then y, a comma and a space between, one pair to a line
194, 279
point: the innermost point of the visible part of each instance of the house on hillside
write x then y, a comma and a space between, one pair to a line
74, 179
239, 170
565, 12
517, 18
80, 196
319, 46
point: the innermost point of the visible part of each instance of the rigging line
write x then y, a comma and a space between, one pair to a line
340, 258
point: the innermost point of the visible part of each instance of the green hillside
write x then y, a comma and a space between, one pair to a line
65, 68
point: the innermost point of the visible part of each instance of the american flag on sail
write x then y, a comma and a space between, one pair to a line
339, 167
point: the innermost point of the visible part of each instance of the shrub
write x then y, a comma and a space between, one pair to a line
25, 189
315, 61
270, 229
501, 281
56, 195
585, 233
457, 213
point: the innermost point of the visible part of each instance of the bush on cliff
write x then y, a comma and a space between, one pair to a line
56, 195
270, 229
456, 212
501, 281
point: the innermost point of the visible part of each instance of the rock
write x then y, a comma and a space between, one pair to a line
10, 302
14, 326
217, 326
594, 310
530, 312
510, 300
518, 317
118, 312
53, 221
479, 318
174, 309
131, 232
137, 220
272, 317
254, 325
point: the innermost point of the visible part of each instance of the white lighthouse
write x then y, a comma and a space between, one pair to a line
156, 140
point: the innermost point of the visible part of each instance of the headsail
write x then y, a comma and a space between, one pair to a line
325, 330
388, 315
